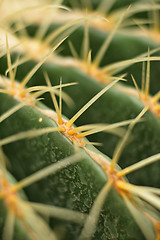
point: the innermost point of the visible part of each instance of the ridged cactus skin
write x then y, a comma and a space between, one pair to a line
79, 120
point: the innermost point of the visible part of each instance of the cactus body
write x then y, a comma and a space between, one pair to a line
75, 190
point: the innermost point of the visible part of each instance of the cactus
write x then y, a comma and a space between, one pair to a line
55, 183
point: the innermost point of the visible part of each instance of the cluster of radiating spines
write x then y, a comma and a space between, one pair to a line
30, 11
153, 102
107, 73
28, 212
129, 21
126, 190
54, 12
139, 200
29, 96
115, 177
103, 10
152, 29
36, 46
20, 92
106, 11
130, 193
77, 134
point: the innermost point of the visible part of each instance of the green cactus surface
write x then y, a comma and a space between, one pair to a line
79, 120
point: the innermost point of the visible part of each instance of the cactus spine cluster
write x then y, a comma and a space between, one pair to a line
79, 120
